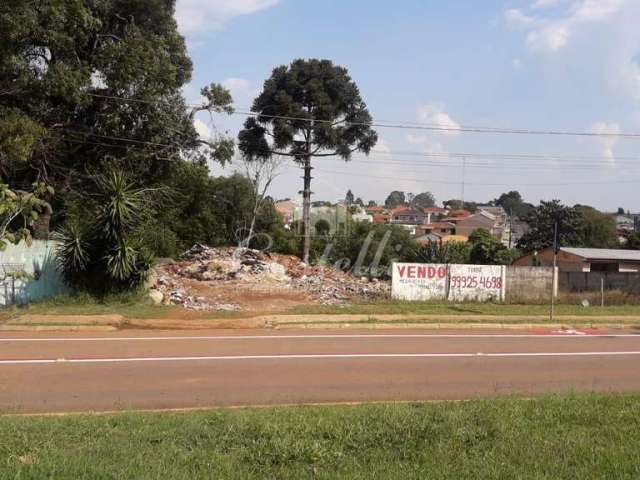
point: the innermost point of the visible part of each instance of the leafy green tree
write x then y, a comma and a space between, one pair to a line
214, 211
86, 86
632, 241
542, 223
507, 256
349, 198
597, 230
460, 205
485, 248
359, 202
449, 252
309, 109
19, 210
424, 200
372, 203
513, 204
620, 211
368, 249
394, 199
322, 227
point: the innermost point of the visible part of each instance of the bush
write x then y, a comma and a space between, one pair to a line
102, 251
450, 252
368, 250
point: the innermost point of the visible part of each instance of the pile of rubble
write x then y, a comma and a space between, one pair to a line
245, 268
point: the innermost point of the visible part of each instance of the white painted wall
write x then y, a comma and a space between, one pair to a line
456, 283
38, 260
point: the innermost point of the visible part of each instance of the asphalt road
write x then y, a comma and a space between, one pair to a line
157, 370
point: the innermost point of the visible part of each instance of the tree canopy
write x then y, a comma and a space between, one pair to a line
542, 221
597, 229
424, 200
311, 108
86, 86
513, 204
394, 199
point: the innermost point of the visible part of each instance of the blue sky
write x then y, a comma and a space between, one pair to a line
532, 64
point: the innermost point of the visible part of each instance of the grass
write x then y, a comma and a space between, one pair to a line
440, 308
133, 306
128, 305
557, 437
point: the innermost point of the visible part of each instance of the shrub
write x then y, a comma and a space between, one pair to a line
102, 251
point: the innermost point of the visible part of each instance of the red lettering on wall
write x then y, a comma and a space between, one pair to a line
401, 270
411, 272
422, 272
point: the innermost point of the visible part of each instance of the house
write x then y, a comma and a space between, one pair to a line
456, 215
482, 219
586, 260
375, 209
408, 216
439, 228
627, 223
428, 238
495, 210
360, 215
381, 218
287, 209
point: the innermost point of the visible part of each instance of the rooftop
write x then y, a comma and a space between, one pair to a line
604, 253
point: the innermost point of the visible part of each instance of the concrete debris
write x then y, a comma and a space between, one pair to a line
155, 297
245, 268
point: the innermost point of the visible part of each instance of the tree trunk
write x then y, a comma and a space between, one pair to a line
306, 209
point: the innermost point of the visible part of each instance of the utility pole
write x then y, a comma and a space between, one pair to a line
306, 208
464, 172
510, 228
553, 273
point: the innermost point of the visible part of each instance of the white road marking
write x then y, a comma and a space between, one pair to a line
314, 356
307, 337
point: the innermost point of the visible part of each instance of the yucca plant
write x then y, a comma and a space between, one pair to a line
103, 255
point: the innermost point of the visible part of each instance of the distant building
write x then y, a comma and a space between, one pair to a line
287, 208
438, 228
586, 260
408, 216
465, 226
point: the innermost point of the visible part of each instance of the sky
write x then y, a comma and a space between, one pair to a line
561, 65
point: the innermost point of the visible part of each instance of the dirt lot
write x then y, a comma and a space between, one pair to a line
250, 281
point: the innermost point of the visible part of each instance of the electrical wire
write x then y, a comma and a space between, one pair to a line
405, 125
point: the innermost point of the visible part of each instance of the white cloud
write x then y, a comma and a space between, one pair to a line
515, 19
238, 87
517, 64
549, 38
550, 33
627, 79
201, 15
540, 4
607, 143
381, 146
436, 116
202, 128
427, 144
417, 139
603, 33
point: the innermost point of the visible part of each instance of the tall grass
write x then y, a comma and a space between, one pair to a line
555, 437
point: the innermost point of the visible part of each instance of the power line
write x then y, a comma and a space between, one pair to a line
503, 156
405, 125
123, 139
449, 182
413, 164
485, 165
